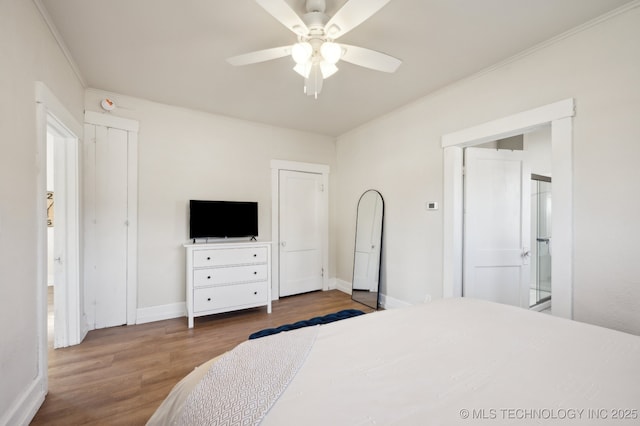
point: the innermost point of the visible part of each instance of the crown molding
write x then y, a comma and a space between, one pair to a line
63, 46
506, 62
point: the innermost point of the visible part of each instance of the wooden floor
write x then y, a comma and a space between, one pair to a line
120, 375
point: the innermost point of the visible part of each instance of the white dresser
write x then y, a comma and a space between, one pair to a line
227, 276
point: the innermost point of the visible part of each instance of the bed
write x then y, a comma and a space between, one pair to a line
451, 361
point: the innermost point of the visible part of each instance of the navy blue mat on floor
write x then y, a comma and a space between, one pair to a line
347, 313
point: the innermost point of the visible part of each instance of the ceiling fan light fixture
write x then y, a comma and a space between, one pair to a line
327, 69
303, 69
331, 52
301, 52
316, 53
332, 30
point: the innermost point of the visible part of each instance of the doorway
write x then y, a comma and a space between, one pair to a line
62, 230
58, 143
559, 116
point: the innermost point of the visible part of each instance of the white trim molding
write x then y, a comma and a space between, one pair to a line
388, 302
58, 38
342, 285
559, 116
46, 97
48, 107
27, 404
108, 120
161, 312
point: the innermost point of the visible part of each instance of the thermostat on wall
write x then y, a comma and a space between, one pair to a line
432, 205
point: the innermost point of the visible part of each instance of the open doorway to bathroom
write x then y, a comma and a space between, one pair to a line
514, 173
62, 267
540, 287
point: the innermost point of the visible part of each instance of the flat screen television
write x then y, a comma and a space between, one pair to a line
223, 219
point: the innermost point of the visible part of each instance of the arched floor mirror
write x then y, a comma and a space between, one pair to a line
368, 248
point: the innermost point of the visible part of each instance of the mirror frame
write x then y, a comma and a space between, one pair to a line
377, 302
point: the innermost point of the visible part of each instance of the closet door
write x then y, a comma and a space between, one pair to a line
300, 232
107, 193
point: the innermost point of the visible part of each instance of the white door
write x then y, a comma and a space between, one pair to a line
59, 240
497, 226
106, 225
368, 237
300, 232
63, 213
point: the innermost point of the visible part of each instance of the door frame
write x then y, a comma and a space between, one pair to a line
559, 115
67, 294
50, 110
322, 169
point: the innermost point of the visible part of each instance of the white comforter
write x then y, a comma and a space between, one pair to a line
459, 361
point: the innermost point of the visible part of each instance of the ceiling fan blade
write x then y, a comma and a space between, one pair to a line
260, 56
281, 10
352, 14
369, 58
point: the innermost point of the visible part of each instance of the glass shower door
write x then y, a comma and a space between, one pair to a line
541, 287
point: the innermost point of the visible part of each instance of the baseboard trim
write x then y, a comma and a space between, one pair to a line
26, 407
161, 312
388, 302
343, 286
177, 310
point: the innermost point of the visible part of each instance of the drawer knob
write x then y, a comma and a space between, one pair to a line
255, 255
208, 277
208, 299
255, 273
208, 258
255, 292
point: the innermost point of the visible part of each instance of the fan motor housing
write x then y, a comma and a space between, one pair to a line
316, 6
315, 21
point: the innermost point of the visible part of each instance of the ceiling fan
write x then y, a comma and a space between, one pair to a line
316, 52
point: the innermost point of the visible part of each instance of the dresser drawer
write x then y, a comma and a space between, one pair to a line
234, 256
228, 297
229, 275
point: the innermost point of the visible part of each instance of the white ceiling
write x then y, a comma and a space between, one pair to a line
174, 51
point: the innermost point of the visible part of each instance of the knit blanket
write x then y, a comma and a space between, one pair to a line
241, 387
337, 316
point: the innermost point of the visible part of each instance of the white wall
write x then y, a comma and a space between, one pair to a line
538, 145
28, 53
400, 155
186, 154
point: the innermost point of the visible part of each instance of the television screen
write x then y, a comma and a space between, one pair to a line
223, 219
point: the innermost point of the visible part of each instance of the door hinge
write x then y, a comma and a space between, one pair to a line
322, 272
322, 187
